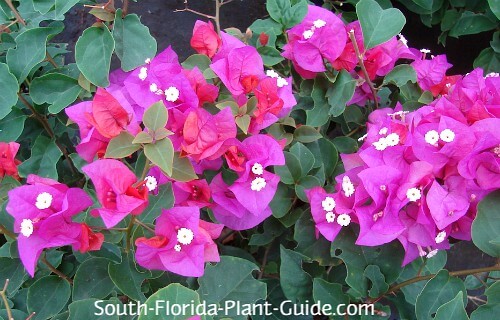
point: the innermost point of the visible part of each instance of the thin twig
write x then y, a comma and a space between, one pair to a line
31, 316
51, 60
129, 233
7, 232
57, 272
16, 13
186, 9
3, 294
145, 226
363, 68
125, 8
264, 261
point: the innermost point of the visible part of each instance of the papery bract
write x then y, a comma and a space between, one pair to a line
205, 39
8, 161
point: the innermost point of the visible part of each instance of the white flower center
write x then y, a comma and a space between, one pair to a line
257, 169
377, 215
330, 217
319, 23
432, 253
383, 131
172, 94
151, 183
344, 220
380, 145
392, 139
153, 87
413, 194
347, 186
328, 204
496, 150
43, 200
272, 74
403, 39
177, 247
258, 184
282, 82
440, 237
425, 50
147, 61
185, 236
432, 137
308, 34
492, 75
143, 74
26, 227
447, 135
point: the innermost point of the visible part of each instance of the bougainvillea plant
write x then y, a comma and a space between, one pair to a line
311, 166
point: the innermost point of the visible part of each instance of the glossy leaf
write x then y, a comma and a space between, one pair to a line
48, 296
453, 310
340, 93
295, 282
44, 157
56, 89
306, 134
8, 83
486, 225
400, 75
127, 278
92, 280
12, 125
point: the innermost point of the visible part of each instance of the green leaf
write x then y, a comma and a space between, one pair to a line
400, 75
90, 309
156, 116
8, 83
93, 52
217, 287
378, 25
305, 183
163, 200
488, 60
30, 50
175, 294
377, 279
197, 60
44, 157
48, 296
161, 154
283, 12
54, 9
92, 280
282, 201
307, 243
276, 8
182, 169
438, 291
306, 158
486, 225
491, 309
306, 134
270, 56
472, 23
126, 278
269, 27
142, 137
345, 144
56, 89
291, 171
319, 115
243, 122
453, 310
295, 282
495, 7
340, 93
12, 125
13, 270
134, 43
121, 146
329, 293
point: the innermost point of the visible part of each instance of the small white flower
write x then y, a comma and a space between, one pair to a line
432, 253
447, 135
308, 34
143, 73
492, 74
380, 145
344, 219
440, 237
43, 200
432, 137
172, 94
383, 131
258, 184
425, 50
151, 183
177, 247
147, 61
392, 139
413, 194
421, 252
496, 150
185, 236
257, 169
363, 137
282, 82
330, 217
26, 227
272, 74
403, 39
319, 23
153, 87
328, 204
347, 186
383, 187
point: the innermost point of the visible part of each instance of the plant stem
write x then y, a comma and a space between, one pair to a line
363, 68
57, 272
129, 233
145, 226
218, 4
4, 299
125, 8
16, 13
51, 60
46, 126
264, 260
403, 284
7, 232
